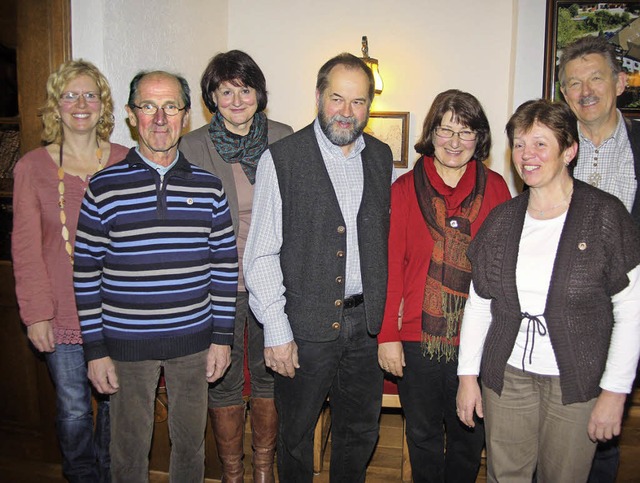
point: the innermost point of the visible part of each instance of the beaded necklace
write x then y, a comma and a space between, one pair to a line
63, 215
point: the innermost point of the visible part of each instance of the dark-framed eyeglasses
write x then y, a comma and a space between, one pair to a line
150, 109
446, 133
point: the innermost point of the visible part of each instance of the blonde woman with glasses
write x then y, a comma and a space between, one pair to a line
49, 184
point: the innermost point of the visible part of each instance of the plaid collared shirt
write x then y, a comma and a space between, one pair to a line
610, 165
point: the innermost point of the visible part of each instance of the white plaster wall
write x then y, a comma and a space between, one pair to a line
493, 49
529, 61
125, 36
424, 47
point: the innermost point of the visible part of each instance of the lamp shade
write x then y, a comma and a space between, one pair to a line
373, 65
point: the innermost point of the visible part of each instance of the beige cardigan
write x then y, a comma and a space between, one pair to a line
199, 150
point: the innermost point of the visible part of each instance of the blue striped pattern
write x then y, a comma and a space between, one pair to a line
156, 265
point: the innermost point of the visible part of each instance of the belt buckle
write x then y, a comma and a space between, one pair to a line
353, 301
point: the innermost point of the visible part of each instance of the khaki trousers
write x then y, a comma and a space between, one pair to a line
528, 427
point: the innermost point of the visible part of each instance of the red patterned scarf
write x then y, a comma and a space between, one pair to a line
448, 213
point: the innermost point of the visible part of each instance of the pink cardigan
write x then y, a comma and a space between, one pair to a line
44, 275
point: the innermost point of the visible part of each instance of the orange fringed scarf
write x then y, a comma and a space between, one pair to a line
448, 213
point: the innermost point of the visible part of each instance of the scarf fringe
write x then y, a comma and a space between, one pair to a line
452, 311
439, 347
447, 345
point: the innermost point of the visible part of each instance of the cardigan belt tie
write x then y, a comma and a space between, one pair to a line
538, 326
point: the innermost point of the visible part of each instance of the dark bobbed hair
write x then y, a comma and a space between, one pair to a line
585, 46
466, 110
56, 84
555, 115
185, 91
349, 61
238, 68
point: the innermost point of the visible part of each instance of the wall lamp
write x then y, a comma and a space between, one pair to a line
373, 65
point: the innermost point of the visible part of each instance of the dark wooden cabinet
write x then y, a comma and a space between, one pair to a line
27, 404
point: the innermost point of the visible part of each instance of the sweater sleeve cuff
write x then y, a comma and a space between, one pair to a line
219, 338
388, 336
95, 350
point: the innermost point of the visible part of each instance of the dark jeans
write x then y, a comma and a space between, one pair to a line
347, 370
228, 390
85, 455
428, 396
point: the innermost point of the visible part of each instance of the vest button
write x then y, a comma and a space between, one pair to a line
335, 325
340, 254
338, 303
339, 279
341, 229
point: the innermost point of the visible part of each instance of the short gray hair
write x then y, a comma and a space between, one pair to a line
585, 46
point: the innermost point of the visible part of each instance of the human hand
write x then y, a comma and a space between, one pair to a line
468, 400
218, 360
102, 374
606, 416
41, 336
283, 359
391, 357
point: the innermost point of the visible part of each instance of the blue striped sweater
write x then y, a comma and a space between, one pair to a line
155, 264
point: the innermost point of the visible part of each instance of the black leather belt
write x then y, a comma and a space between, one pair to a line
353, 301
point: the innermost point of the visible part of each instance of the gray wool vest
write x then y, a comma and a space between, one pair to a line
314, 242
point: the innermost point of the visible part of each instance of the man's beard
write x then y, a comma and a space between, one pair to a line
338, 135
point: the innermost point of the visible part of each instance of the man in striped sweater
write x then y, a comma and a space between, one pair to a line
155, 278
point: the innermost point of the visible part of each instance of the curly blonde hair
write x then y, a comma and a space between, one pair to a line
52, 132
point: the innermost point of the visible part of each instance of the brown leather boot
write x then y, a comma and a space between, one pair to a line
228, 429
264, 428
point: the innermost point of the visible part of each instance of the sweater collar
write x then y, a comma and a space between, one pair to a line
180, 165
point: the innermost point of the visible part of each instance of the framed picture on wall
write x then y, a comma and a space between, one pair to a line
618, 22
393, 129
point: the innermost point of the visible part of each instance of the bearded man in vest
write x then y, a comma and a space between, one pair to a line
315, 267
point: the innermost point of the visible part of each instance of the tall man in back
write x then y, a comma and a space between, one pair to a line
155, 277
316, 267
591, 79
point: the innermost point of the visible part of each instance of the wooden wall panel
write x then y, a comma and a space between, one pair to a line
27, 405
43, 42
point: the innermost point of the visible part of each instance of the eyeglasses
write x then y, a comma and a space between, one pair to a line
150, 109
72, 97
447, 133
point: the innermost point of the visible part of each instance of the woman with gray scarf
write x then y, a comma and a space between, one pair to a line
230, 146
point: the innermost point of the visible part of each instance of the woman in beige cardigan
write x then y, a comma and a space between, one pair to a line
230, 146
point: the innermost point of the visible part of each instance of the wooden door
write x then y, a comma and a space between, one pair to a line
39, 31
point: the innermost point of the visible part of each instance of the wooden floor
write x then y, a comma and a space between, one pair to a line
384, 467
